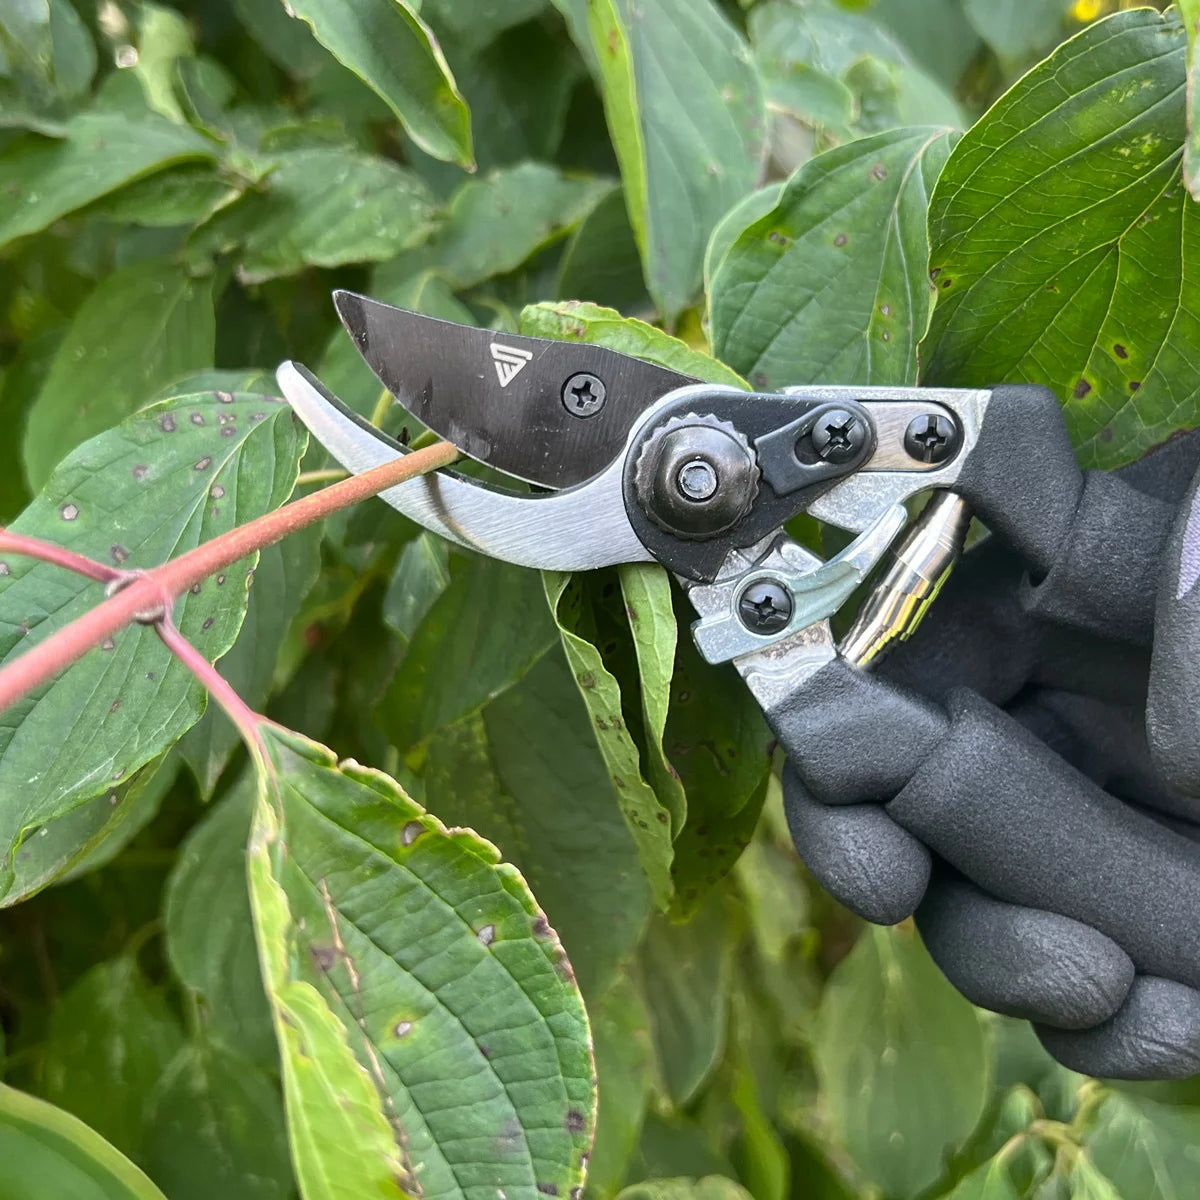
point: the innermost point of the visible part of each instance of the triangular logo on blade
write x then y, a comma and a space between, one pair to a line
509, 362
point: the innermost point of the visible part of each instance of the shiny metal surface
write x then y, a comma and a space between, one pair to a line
574, 530
818, 589
774, 670
920, 565
891, 476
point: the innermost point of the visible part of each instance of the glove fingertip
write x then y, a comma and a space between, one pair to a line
1154, 1035
1023, 962
858, 854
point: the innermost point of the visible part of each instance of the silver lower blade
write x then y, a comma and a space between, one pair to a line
575, 530
549, 412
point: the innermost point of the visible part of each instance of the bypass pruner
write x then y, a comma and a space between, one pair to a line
632, 462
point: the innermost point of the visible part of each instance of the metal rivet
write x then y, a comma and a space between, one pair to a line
583, 395
765, 606
697, 480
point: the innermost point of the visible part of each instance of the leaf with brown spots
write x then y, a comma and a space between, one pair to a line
437, 994
66, 744
830, 285
1067, 247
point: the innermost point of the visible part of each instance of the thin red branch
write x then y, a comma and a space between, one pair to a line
219, 688
145, 594
59, 556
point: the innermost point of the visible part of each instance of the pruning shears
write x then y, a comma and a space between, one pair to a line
631, 462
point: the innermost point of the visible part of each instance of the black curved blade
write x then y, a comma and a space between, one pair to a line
500, 397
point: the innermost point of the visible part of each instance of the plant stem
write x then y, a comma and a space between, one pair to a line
329, 475
159, 587
219, 688
60, 556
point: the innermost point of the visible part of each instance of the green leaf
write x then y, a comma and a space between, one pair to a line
209, 934
324, 207
498, 222
422, 574
527, 774
1064, 246
109, 1040
475, 23
168, 478
992, 1181
646, 589
49, 1154
162, 40
744, 213
1015, 29
623, 1077
717, 740
648, 820
89, 836
814, 56
688, 120
711, 1187
42, 179
434, 960
831, 283
216, 1129
579, 321
140, 329
902, 1060
601, 260
285, 574
391, 50
1144, 1146
466, 652
936, 33
183, 195
686, 971
1189, 13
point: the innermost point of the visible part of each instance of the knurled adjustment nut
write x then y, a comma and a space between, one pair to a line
696, 476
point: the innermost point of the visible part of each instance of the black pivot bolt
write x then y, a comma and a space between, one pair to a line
765, 606
838, 436
932, 438
583, 395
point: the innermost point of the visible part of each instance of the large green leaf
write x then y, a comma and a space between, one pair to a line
648, 819
466, 651
215, 1128
527, 773
1016, 29
42, 179
831, 283
1065, 248
687, 117
209, 934
902, 1060
711, 1187
840, 72
323, 207
140, 329
169, 477
49, 1154
436, 963
475, 23
496, 223
110, 1039
686, 972
1189, 12
1146, 1148
580, 321
390, 48
90, 835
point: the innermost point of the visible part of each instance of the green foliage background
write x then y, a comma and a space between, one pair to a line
775, 183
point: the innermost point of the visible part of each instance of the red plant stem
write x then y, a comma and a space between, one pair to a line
157, 588
60, 556
223, 692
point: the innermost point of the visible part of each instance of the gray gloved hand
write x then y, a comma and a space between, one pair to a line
1024, 773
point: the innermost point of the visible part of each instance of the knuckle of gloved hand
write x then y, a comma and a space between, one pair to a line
1022, 824
1023, 962
858, 854
1154, 1035
853, 738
